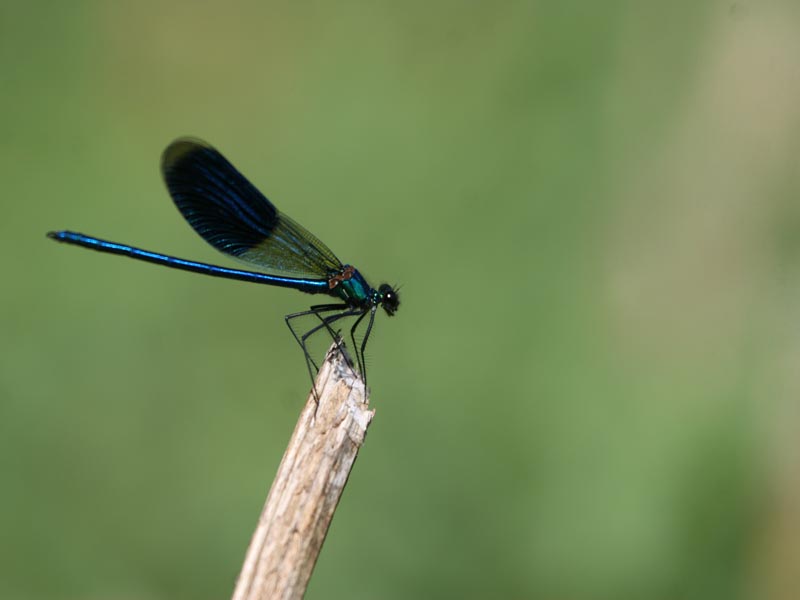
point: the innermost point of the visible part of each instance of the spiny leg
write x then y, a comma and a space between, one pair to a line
326, 322
364, 342
355, 345
362, 359
314, 310
325, 308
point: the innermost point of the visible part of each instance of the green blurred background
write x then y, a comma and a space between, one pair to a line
591, 388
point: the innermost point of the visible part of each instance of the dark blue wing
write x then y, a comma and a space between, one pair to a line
234, 217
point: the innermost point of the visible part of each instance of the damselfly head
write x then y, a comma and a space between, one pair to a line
388, 298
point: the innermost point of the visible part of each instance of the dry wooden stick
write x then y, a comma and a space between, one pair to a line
307, 487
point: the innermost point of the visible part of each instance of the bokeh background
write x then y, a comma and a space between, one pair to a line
591, 388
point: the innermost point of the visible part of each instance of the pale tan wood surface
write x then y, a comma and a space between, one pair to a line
307, 487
